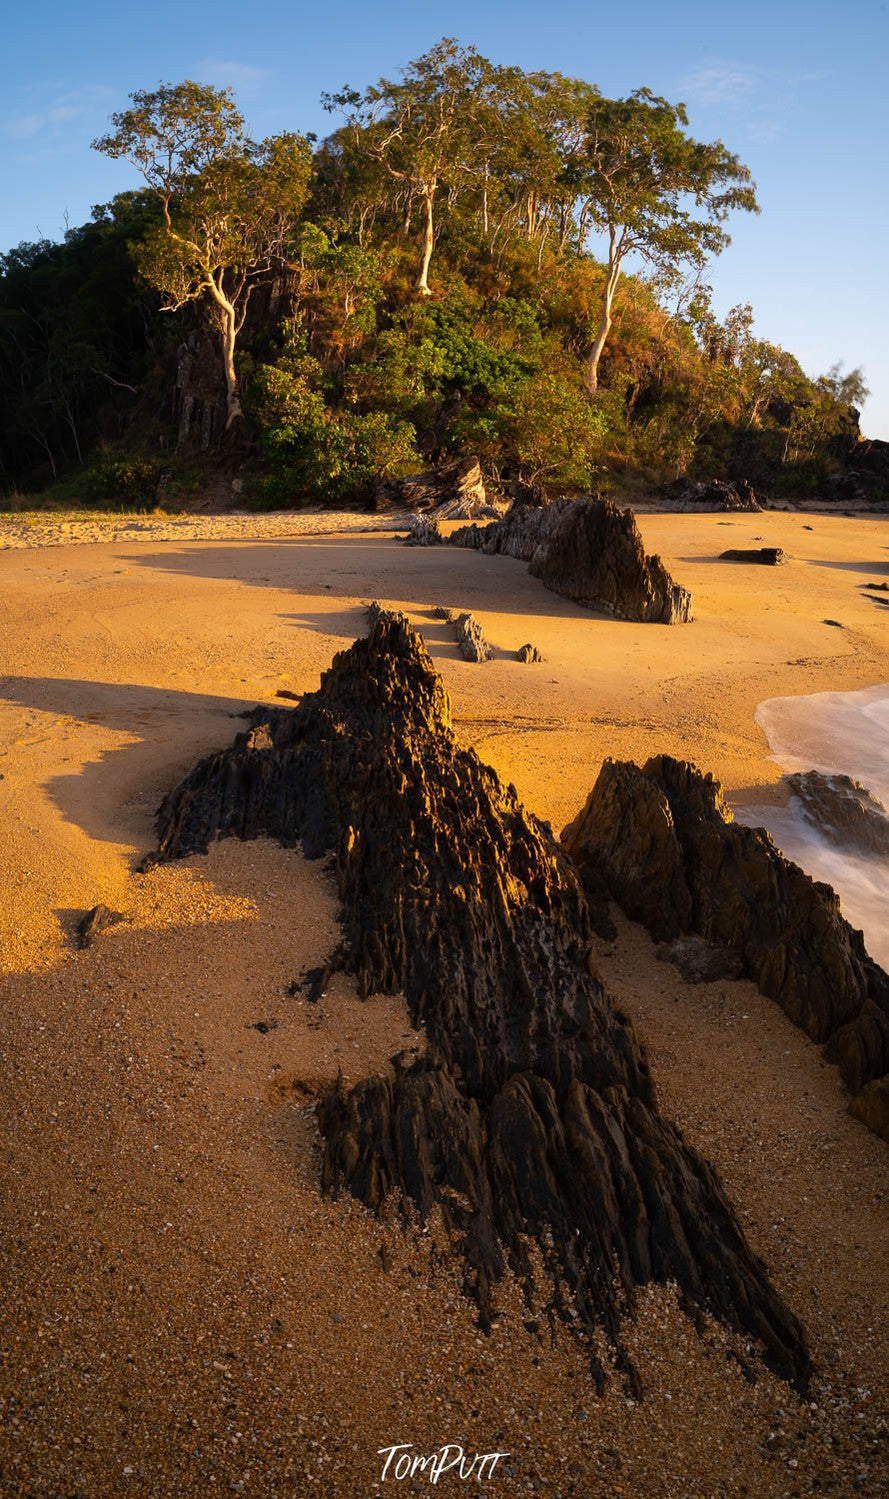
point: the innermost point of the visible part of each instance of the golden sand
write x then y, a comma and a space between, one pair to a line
183, 1313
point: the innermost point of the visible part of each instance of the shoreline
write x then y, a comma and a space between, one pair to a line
31, 529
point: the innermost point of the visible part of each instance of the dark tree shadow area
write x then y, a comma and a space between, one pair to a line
112, 798
375, 568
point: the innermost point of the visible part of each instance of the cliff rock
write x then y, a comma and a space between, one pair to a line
663, 842
843, 811
531, 1117
713, 494
589, 551
456, 491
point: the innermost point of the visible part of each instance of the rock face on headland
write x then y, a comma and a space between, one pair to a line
589, 551
661, 840
531, 1118
712, 494
455, 491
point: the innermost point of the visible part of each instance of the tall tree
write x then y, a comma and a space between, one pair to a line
419, 132
229, 205
654, 191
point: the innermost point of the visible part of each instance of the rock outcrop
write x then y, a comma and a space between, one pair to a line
456, 491
712, 494
470, 639
528, 653
661, 840
843, 811
93, 924
700, 961
423, 532
764, 556
530, 1119
589, 551
472, 643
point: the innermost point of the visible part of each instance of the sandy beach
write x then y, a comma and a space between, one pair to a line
185, 1313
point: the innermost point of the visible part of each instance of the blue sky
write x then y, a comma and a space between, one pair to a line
797, 89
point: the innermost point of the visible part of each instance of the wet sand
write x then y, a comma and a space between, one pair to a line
184, 1313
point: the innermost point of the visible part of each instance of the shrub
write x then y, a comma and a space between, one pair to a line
120, 483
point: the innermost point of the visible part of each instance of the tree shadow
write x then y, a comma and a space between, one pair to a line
881, 568
374, 567
112, 797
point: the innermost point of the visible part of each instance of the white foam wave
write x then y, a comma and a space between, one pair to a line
844, 733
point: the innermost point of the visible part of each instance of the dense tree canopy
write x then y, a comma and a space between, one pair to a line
229, 206
431, 286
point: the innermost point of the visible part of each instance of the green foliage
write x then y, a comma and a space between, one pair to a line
550, 431
124, 483
420, 286
315, 454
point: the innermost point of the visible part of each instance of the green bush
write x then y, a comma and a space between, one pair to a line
317, 455
120, 484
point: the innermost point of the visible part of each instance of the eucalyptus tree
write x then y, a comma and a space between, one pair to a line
655, 192
229, 205
423, 134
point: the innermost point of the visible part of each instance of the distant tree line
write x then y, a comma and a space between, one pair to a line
477, 258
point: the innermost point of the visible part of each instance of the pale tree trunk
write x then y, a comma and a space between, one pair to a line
428, 239
229, 340
591, 376
233, 400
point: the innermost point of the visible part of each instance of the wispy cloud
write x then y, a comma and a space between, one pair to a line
239, 75
721, 83
52, 115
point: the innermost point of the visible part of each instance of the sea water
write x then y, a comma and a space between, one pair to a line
843, 733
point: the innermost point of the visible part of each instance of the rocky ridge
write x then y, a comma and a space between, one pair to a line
843, 811
661, 841
530, 1121
586, 550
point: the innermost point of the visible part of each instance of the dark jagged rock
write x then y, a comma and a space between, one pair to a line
765, 556
701, 962
531, 1116
663, 843
528, 653
843, 811
472, 643
589, 551
456, 491
712, 494
423, 533
93, 924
